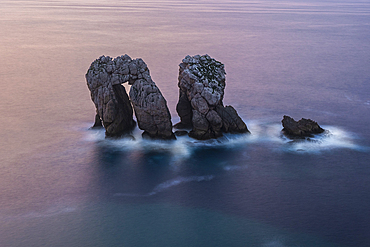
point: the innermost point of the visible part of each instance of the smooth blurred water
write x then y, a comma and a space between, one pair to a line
62, 184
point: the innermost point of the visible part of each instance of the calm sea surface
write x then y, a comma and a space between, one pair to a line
62, 184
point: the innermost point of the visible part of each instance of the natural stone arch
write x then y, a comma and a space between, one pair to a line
104, 80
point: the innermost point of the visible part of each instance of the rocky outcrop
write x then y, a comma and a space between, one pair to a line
301, 129
105, 78
151, 110
200, 106
110, 98
232, 123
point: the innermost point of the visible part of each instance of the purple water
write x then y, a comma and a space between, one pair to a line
62, 184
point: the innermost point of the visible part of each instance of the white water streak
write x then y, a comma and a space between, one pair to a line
168, 184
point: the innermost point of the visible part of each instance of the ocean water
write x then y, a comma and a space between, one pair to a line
63, 184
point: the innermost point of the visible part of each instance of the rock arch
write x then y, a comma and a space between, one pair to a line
113, 106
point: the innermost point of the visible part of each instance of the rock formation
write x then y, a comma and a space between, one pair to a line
200, 107
150, 106
97, 123
301, 129
104, 79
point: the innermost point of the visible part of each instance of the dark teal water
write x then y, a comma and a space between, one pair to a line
62, 184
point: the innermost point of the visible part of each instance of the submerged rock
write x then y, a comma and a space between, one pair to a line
200, 107
104, 79
301, 129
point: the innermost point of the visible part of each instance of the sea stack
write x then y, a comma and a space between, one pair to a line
300, 129
104, 80
201, 85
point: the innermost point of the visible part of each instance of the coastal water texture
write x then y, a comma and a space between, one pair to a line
63, 184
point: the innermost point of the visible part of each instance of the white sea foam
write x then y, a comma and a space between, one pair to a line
270, 135
137, 143
265, 133
332, 138
168, 184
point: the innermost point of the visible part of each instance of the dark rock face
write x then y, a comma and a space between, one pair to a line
181, 133
200, 106
123, 121
104, 79
151, 110
97, 123
231, 121
111, 100
301, 129
185, 112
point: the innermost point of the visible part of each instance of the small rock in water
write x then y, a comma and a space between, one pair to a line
300, 129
